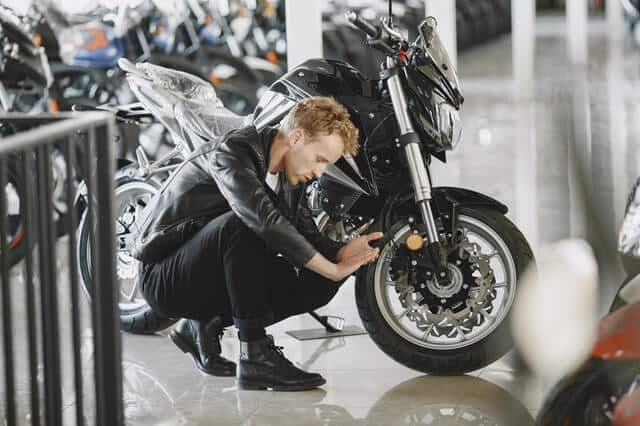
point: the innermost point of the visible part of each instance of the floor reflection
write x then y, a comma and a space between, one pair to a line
422, 400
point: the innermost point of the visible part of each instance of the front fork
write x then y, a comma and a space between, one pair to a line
418, 169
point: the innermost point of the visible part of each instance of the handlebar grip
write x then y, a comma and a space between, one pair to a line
364, 25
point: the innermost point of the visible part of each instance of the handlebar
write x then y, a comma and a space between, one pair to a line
379, 38
364, 25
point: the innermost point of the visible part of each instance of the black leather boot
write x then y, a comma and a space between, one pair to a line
202, 341
264, 366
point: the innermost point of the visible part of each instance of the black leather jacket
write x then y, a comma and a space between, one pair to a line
228, 174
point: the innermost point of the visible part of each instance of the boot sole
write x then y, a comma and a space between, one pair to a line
185, 347
262, 385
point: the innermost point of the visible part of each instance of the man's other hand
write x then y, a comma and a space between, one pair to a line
358, 246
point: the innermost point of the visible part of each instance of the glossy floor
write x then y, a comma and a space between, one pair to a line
532, 142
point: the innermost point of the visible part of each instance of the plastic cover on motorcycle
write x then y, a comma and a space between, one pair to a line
184, 86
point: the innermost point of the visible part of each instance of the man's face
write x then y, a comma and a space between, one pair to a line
305, 161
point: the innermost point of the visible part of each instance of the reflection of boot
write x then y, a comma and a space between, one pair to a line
202, 341
264, 366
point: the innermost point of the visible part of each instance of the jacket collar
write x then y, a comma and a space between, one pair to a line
265, 140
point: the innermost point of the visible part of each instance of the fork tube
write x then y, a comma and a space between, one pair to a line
413, 151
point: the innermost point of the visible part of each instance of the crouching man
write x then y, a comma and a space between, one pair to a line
210, 243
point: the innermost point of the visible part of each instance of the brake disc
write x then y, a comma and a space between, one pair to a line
448, 321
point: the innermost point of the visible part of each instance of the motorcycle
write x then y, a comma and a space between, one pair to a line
25, 78
605, 389
192, 115
632, 15
438, 298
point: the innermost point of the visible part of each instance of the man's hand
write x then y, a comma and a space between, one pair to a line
341, 270
357, 246
348, 266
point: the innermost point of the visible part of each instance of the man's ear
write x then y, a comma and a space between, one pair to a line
295, 136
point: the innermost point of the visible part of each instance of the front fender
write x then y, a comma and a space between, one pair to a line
446, 202
449, 201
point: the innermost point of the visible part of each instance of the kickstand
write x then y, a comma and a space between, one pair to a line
324, 320
333, 326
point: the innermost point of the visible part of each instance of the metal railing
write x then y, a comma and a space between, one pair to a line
85, 142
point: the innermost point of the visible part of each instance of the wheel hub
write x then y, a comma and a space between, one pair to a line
450, 287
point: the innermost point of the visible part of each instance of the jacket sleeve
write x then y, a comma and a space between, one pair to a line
248, 198
327, 247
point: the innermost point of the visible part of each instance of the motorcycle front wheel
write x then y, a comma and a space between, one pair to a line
450, 326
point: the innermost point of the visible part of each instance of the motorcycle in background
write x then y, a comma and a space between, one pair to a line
25, 79
632, 15
189, 109
605, 389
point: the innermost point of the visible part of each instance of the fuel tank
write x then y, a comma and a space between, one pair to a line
370, 108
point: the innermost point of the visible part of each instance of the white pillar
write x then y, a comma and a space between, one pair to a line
577, 20
304, 31
445, 12
618, 130
615, 20
523, 22
525, 212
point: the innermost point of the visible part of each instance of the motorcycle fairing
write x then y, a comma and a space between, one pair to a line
618, 335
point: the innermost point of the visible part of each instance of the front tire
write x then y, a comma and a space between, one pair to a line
430, 347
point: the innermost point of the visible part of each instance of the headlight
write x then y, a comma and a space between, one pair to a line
449, 123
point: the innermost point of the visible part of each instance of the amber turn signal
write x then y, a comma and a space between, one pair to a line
415, 242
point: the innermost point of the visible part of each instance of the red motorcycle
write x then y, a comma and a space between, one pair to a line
605, 390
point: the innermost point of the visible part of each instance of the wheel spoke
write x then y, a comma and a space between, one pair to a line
486, 315
500, 285
405, 312
427, 332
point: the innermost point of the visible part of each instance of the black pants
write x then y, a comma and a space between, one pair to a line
226, 269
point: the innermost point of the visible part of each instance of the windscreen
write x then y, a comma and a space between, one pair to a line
430, 42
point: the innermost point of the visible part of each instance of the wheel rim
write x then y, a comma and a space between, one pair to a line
482, 312
129, 201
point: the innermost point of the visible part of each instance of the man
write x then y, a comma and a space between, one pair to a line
210, 240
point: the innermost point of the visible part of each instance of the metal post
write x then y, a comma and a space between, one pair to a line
7, 331
69, 149
30, 231
49, 297
445, 12
304, 31
106, 319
